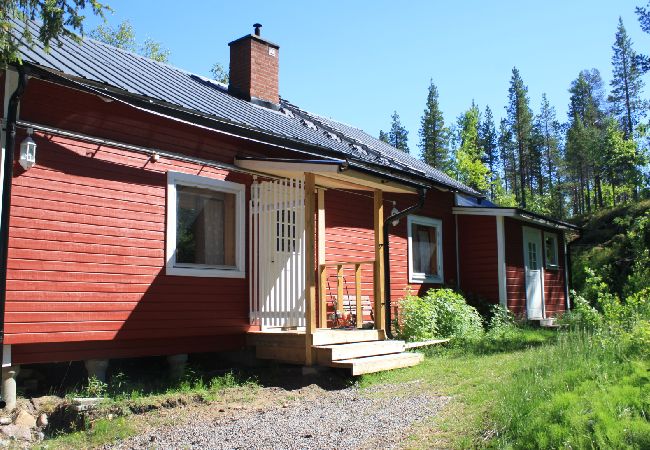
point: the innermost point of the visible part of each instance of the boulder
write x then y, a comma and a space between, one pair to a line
20, 432
47, 403
42, 421
23, 418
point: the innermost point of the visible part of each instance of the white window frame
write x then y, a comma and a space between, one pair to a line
420, 278
204, 270
557, 252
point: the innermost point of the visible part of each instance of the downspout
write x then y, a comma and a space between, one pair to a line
388, 223
8, 172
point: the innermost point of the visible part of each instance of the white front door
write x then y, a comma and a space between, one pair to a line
277, 249
533, 269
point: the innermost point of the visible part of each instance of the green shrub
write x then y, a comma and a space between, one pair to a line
501, 319
582, 316
441, 313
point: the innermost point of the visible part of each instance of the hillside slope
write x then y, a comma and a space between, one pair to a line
610, 244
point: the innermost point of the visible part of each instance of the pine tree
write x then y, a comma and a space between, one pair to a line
626, 83
507, 154
398, 136
550, 129
469, 156
520, 121
488, 142
55, 19
383, 136
434, 136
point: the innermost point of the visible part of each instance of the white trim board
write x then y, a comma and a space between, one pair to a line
501, 262
240, 222
506, 212
418, 278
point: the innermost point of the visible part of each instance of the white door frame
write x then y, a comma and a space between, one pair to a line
540, 261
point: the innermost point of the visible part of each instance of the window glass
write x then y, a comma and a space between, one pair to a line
532, 256
550, 250
205, 227
425, 249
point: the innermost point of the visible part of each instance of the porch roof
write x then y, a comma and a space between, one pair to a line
329, 173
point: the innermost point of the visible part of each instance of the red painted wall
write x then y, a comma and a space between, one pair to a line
350, 237
554, 279
86, 258
478, 256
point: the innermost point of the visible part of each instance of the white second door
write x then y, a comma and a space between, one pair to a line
533, 269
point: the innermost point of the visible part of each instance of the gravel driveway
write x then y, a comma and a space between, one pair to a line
343, 419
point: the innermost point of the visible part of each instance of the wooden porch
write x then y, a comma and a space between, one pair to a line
360, 351
336, 325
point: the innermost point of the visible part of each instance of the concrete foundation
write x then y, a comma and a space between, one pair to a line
9, 375
177, 364
96, 368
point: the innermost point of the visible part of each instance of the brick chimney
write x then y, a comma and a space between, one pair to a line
254, 69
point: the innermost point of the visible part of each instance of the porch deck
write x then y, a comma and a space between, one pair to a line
361, 351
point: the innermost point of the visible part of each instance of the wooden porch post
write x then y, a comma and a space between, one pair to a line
379, 260
322, 298
310, 269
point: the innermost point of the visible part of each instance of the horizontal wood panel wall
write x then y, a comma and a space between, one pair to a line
478, 257
87, 240
349, 237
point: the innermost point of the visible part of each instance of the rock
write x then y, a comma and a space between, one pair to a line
5, 420
47, 403
23, 418
21, 432
40, 436
85, 404
42, 420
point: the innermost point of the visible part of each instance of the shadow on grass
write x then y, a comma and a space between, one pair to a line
505, 341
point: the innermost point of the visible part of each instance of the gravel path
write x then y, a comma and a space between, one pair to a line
342, 419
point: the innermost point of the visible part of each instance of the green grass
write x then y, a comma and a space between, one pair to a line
531, 389
102, 431
119, 417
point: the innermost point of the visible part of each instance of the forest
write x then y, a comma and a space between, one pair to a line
595, 158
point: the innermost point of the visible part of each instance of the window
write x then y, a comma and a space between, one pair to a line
425, 250
205, 227
550, 250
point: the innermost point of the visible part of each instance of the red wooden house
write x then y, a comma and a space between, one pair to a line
167, 214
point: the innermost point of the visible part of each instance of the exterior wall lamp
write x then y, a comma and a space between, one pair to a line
28, 151
393, 212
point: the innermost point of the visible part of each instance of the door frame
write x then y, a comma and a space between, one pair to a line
541, 262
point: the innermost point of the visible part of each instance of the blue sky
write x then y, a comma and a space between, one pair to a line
357, 61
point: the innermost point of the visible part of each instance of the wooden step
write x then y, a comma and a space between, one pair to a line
371, 364
325, 354
330, 337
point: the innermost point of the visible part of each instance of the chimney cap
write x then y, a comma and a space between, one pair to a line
257, 27
256, 37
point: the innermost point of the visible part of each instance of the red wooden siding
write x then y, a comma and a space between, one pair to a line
554, 279
350, 237
87, 240
478, 257
86, 259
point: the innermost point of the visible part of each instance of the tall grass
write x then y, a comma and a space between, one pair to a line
587, 391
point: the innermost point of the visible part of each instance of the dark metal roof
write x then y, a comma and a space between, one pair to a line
104, 64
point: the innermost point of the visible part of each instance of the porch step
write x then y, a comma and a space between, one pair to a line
331, 337
370, 364
325, 354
